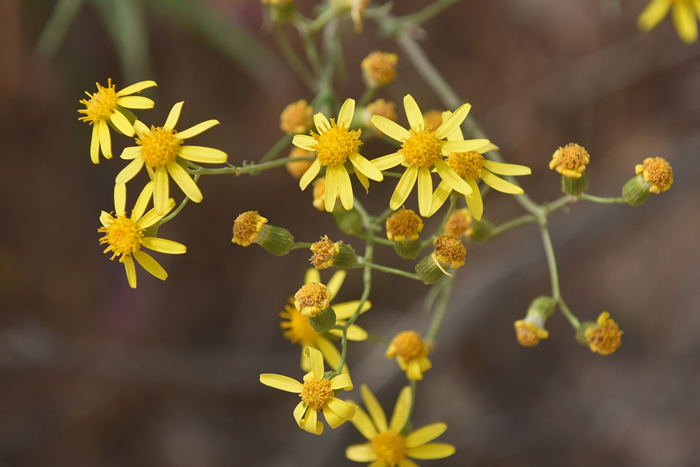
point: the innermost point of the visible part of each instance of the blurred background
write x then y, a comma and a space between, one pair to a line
93, 373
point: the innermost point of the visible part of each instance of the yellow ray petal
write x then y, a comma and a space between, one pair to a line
439, 197
333, 420
375, 410
453, 122
653, 14
360, 452
363, 180
450, 176
321, 122
135, 102
197, 129
336, 282
312, 275
173, 116
304, 142
425, 191
342, 408
425, 434
316, 362
415, 117
464, 146
329, 351
431, 451
346, 309
363, 424
183, 180
387, 162
346, 113
129, 171
487, 148
164, 246
299, 412
95, 145
130, 153
331, 188
105, 139
401, 410
104, 216
685, 21
130, 271
311, 424
161, 190
403, 188
356, 333
136, 87
150, 265
283, 383
390, 128
119, 199
474, 201
407, 463
310, 174
122, 123
203, 154
142, 202
499, 184
506, 169
366, 167
413, 370
140, 128
151, 217
342, 381
344, 186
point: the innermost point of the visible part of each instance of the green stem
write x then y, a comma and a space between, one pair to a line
277, 148
367, 96
417, 18
414, 387
517, 222
179, 208
293, 59
389, 270
440, 310
378, 340
598, 199
387, 173
380, 240
569, 315
310, 48
551, 261
300, 245
248, 169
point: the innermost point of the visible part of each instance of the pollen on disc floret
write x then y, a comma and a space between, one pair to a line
606, 337
335, 144
122, 235
324, 252
422, 148
159, 147
312, 298
656, 171
389, 447
570, 160
450, 250
529, 333
316, 393
409, 345
101, 103
246, 227
403, 225
467, 165
296, 117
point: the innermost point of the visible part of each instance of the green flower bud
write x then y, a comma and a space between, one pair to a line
324, 320
636, 191
408, 249
574, 186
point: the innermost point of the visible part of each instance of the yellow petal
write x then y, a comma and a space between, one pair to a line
363, 424
312, 275
164, 246
329, 351
356, 333
104, 216
136, 102
487, 148
130, 271
425, 191
304, 142
151, 217
425, 364
310, 422
95, 144
685, 21
415, 117
197, 129
363, 180
450, 176
506, 169
129, 171
321, 122
136, 87
299, 412
431, 451
342, 381
360, 452
105, 139
464, 146
283, 383
375, 410
401, 410
346, 113
499, 184
453, 122
316, 362
474, 201
342, 408
336, 282
331, 188
439, 197
413, 370
390, 128
407, 463
161, 190
333, 420
142, 202
344, 186
122, 123
366, 167
346, 309
150, 265
173, 116
131, 152
183, 180
119, 198
387, 162
425, 434
140, 128
653, 14
403, 188
203, 154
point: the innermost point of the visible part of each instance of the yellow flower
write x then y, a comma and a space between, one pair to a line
403, 225
470, 166
246, 227
336, 144
450, 250
379, 68
159, 148
107, 105
316, 395
411, 354
570, 161
658, 172
380, 107
423, 148
296, 117
684, 17
386, 445
124, 235
459, 223
299, 331
605, 337
529, 331
432, 119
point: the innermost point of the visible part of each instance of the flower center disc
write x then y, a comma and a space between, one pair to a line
421, 149
123, 236
335, 144
389, 447
159, 147
409, 345
316, 393
101, 104
466, 164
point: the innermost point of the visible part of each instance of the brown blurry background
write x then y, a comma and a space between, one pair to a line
93, 373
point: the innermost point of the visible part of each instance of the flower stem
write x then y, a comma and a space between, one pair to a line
598, 199
277, 148
367, 96
300, 245
248, 169
378, 340
293, 59
179, 208
517, 222
569, 315
398, 272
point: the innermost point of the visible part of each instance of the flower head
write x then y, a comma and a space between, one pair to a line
379, 68
323, 253
459, 223
656, 171
124, 236
432, 119
570, 160
387, 445
299, 331
296, 117
158, 149
530, 330
403, 225
107, 105
605, 337
334, 145
685, 14
246, 227
450, 250
381, 107
470, 166
312, 298
411, 354
317, 394
297, 169
422, 149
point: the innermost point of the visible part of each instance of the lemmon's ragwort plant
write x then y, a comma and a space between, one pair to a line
446, 145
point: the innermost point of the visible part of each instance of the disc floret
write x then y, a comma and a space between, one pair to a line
159, 147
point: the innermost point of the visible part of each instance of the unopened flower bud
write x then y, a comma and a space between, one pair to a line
449, 251
570, 161
379, 68
403, 228
530, 330
653, 176
327, 254
296, 117
250, 227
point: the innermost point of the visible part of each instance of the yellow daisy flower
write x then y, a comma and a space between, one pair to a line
605, 337
471, 166
107, 105
411, 354
685, 13
159, 148
124, 235
316, 394
386, 445
422, 149
336, 144
299, 331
